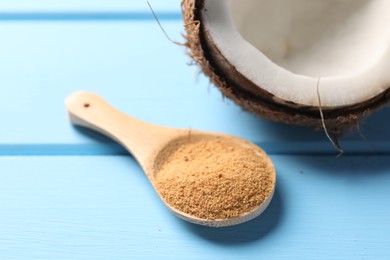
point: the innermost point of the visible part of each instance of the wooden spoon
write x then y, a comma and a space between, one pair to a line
146, 142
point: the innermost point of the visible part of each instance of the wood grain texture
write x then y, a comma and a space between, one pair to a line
103, 207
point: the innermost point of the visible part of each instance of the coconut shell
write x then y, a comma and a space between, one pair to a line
250, 97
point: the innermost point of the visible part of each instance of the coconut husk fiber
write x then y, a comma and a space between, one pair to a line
250, 97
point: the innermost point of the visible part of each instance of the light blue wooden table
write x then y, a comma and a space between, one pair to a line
69, 193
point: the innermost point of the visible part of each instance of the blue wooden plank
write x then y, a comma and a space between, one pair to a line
48, 6
88, 16
102, 207
138, 70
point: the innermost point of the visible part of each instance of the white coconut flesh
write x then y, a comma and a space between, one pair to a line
285, 46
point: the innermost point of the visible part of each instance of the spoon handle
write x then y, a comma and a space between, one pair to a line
141, 139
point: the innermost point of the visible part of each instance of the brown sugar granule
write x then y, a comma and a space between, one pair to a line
215, 178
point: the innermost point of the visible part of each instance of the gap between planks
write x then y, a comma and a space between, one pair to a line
113, 149
88, 16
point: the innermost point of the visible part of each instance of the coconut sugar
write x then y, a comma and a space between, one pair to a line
215, 178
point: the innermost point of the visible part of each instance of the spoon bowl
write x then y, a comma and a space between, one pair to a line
151, 145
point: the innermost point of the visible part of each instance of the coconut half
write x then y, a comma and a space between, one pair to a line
289, 60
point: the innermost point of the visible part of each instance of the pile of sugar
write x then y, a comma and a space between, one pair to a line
215, 178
